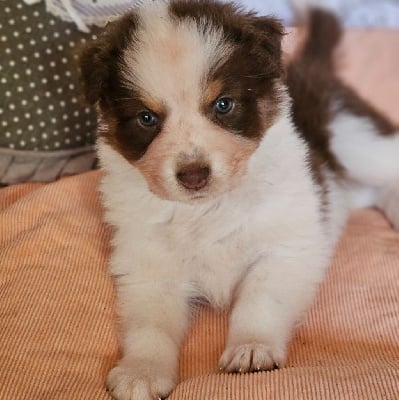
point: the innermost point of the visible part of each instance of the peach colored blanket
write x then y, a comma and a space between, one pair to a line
57, 339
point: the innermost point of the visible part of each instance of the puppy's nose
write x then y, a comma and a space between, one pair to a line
193, 176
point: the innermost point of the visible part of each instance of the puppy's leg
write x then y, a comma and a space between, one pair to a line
270, 301
153, 311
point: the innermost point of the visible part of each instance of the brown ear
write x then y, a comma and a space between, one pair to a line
99, 59
94, 71
269, 33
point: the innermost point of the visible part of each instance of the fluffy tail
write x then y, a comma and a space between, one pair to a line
324, 32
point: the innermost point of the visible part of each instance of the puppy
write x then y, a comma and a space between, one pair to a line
226, 178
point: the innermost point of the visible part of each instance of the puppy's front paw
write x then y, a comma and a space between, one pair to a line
251, 357
139, 382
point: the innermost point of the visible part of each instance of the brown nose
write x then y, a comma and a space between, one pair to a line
193, 176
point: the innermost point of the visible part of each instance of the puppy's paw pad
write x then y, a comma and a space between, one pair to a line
129, 384
251, 358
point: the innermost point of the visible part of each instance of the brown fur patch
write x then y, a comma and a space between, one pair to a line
213, 90
353, 103
152, 104
256, 100
125, 134
312, 91
324, 32
99, 59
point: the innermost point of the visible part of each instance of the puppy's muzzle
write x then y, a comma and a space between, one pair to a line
193, 176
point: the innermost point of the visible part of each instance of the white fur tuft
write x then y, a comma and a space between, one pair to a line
369, 157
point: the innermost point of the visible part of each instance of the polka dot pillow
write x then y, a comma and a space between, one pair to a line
45, 129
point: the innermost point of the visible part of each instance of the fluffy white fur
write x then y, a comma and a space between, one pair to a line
372, 162
170, 59
370, 158
262, 243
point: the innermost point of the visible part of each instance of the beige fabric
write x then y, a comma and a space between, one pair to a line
57, 338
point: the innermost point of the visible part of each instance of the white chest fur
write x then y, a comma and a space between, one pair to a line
207, 248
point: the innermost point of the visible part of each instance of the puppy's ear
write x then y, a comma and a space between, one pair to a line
100, 59
269, 33
94, 70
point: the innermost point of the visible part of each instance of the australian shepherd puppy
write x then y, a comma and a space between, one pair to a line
228, 178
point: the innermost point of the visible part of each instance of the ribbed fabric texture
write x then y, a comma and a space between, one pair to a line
347, 347
56, 336
58, 340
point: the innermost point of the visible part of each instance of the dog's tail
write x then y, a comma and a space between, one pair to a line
324, 32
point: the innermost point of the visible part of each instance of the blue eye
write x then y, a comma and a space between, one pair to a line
147, 119
224, 105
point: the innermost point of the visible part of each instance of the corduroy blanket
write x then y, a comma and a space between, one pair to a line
57, 337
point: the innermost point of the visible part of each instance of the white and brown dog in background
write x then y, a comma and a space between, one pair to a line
227, 178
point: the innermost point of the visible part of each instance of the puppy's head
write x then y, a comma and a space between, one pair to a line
185, 91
